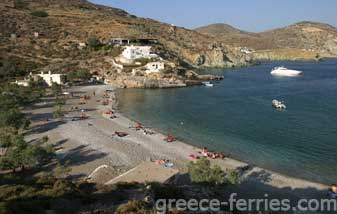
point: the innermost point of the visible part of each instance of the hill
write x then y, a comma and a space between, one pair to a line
220, 29
308, 38
69, 23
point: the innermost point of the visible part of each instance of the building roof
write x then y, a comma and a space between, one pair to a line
146, 172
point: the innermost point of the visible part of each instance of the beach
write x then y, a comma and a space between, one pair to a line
88, 144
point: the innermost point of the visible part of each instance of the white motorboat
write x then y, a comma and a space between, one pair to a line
283, 71
207, 84
278, 104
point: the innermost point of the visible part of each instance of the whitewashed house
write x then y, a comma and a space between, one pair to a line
50, 78
154, 67
136, 52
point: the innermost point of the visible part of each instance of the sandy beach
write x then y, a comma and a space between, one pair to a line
88, 144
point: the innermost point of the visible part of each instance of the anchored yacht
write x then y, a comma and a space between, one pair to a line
282, 71
278, 104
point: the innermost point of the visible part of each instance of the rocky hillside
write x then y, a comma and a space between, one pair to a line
70, 22
305, 38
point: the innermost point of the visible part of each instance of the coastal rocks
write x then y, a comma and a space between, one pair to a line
221, 58
145, 82
285, 54
210, 77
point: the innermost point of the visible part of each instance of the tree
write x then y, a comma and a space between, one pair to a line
202, 172
13, 118
60, 102
56, 89
20, 154
58, 113
15, 155
6, 136
80, 75
83, 74
94, 43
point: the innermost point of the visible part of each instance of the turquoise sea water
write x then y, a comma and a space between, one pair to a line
236, 116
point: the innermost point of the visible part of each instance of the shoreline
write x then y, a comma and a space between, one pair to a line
89, 144
276, 179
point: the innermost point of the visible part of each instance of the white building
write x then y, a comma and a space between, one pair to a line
24, 83
50, 78
136, 52
154, 67
82, 45
246, 50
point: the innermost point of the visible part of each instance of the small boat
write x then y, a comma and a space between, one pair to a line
283, 71
207, 84
278, 104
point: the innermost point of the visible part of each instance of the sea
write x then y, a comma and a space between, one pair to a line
236, 116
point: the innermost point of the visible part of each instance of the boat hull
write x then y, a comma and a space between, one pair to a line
286, 73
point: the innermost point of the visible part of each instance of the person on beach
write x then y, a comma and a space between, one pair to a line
204, 152
332, 193
138, 126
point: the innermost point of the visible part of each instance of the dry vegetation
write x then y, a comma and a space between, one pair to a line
305, 38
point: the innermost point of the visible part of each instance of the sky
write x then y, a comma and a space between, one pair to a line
249, 15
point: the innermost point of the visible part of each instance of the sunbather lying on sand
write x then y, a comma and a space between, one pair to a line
138, 126
121, 134
169, 139
164, 162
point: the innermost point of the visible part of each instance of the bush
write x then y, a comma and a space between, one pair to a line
202, 172
94, 43
39, 13
80, 75
58, 113
132, 206
233, 177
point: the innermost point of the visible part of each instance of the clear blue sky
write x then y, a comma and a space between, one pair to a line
250, 15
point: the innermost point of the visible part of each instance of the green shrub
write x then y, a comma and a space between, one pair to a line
39, 13
80, 75
233, 177
94, 43
132, 206
58, 113
202, 172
